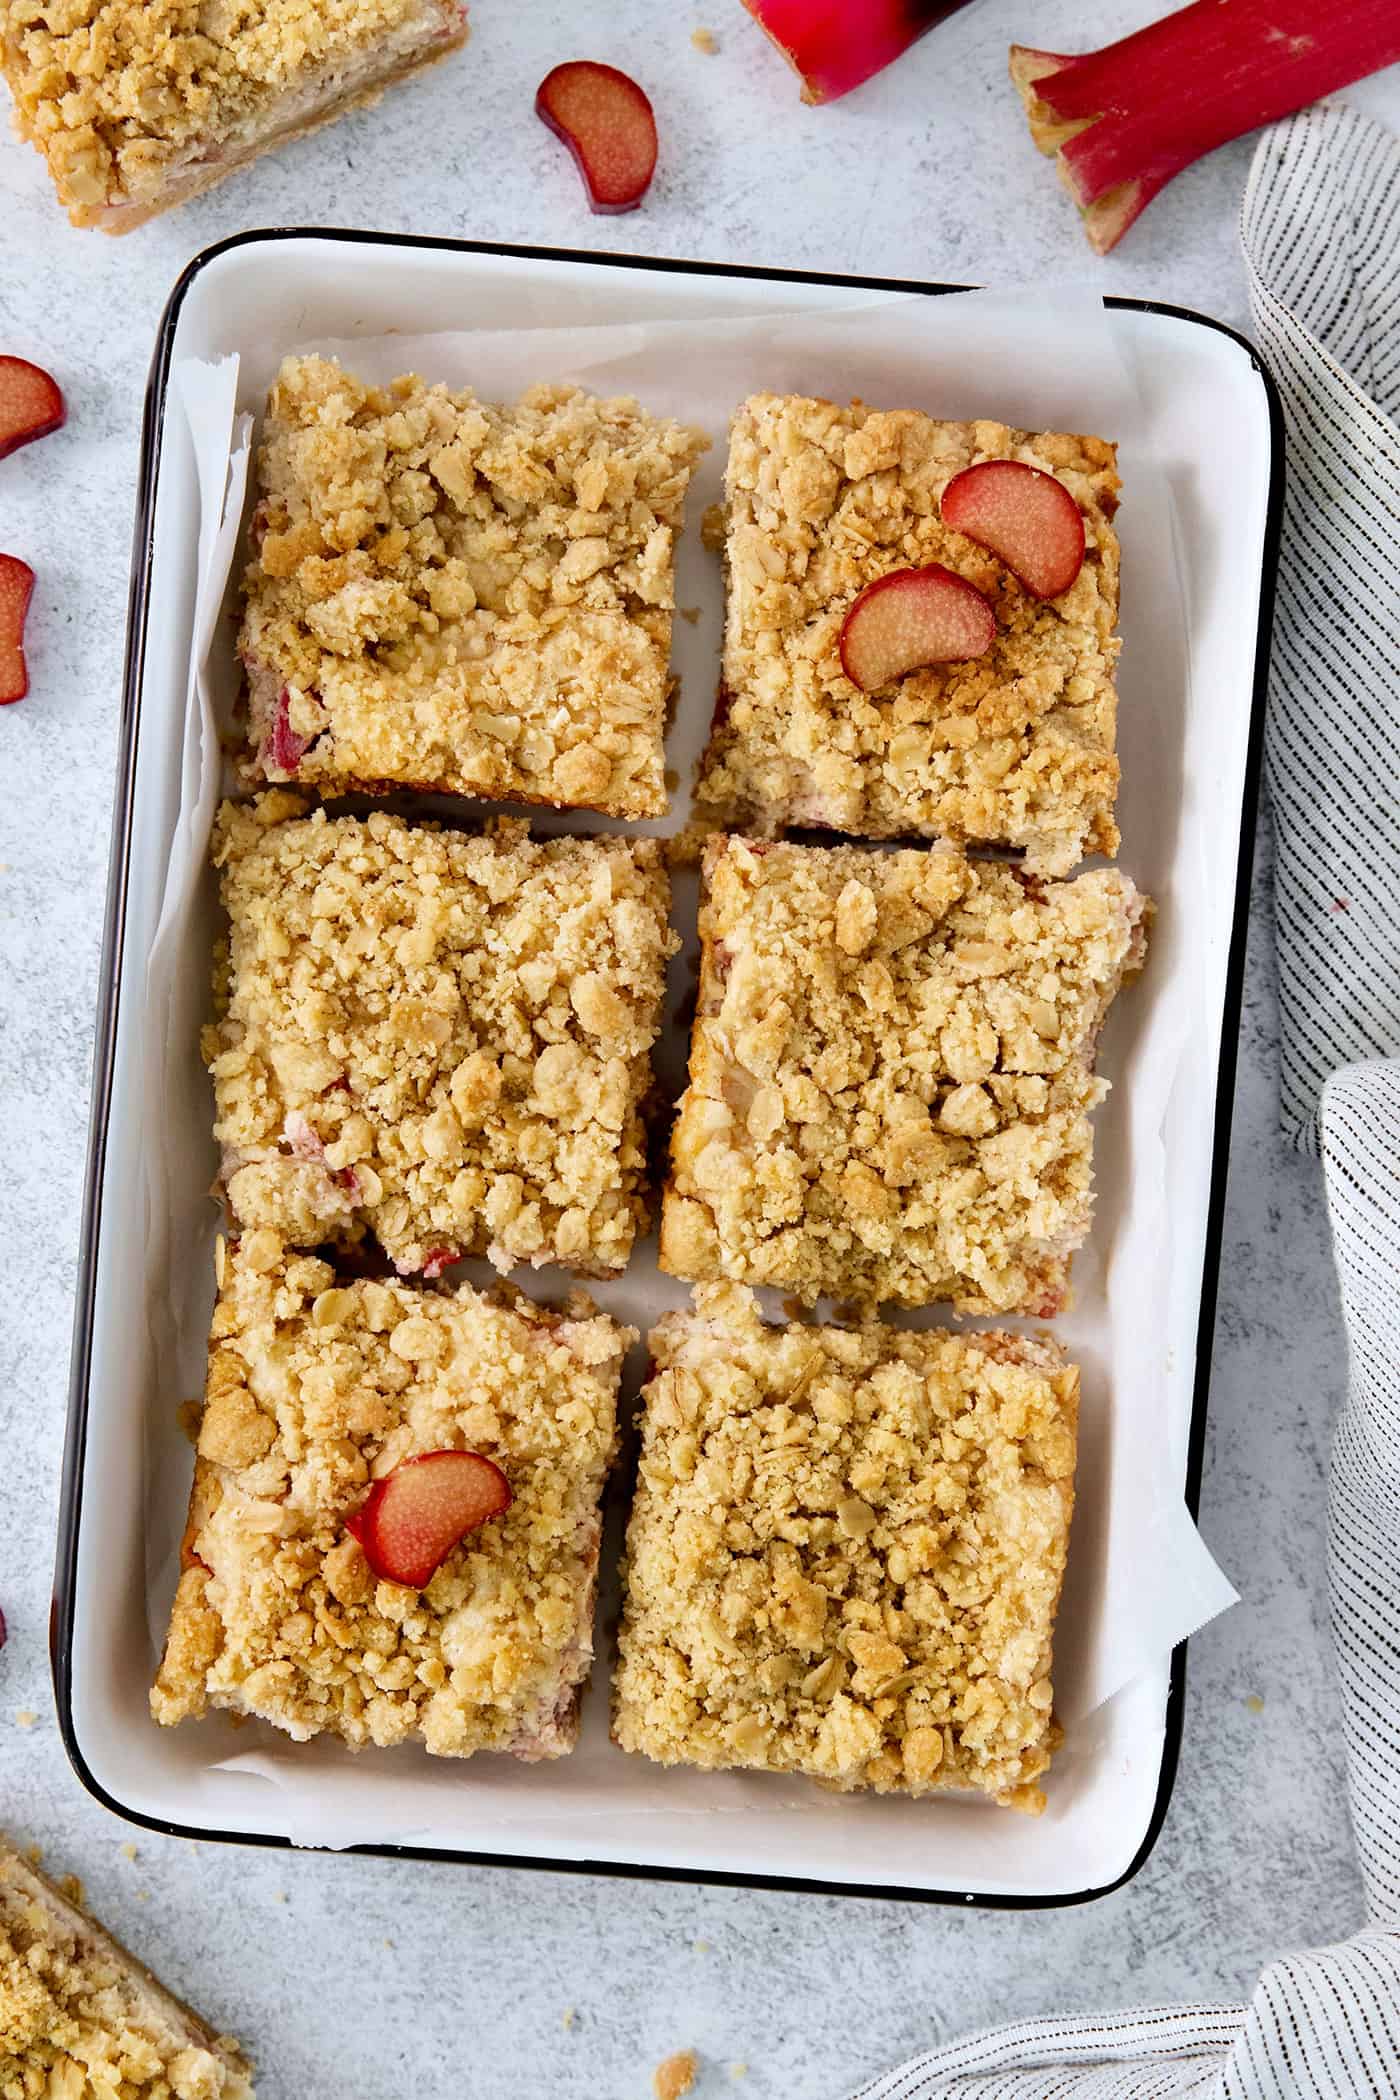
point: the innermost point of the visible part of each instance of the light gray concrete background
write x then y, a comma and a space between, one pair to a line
351, 1977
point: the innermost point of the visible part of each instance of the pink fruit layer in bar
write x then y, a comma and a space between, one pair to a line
316, 1390
440, 1038
137, 105
1014, 746
464, 598
892, 1073
845, 1552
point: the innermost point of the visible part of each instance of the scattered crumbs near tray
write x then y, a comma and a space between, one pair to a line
143, 1895
279, 1895
1255, 1703
26, 1717
739, 2070
689, 613
73, 1889
129, 1850
712, 527
388, 1943
187, 1414
703, 1946
705, 40
674, 2078
567, 2019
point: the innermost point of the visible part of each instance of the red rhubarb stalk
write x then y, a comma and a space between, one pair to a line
836, 44
1123, 121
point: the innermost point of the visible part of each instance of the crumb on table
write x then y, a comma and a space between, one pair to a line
705, 40
673, 2079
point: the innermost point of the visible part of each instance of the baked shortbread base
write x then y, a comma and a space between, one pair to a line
845, 1553
315, 1388
78, 2014
153, 129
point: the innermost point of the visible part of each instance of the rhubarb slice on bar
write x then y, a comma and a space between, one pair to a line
463, 598
318, 1390
845, 1553
79, 2015
1013, 747
137, 107
891, 1075
439, 1038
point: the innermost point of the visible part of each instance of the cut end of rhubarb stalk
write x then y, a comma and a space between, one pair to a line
608, 124
411, 1520
16, 588
30, 404
911, 618
834, 48
1024, 516
1121, 122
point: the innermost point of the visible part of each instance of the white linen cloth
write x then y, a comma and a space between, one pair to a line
1321, 232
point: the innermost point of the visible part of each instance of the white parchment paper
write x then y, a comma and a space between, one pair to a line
1140, 1578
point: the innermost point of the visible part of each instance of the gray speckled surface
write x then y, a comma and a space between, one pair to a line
349, 1976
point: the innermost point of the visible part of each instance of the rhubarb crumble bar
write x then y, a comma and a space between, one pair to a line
453, 596
1015, 747
441, 1038
891, 1073
80, 2016
138, 104
318, 1388
845, 1552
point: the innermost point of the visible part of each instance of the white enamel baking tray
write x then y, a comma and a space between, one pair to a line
1214, 427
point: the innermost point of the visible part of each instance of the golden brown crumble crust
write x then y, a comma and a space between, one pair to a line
457, 596
440, 1037
79, 2016
131, 100
845, 1552
891, 1073
316, 1388
1015, 748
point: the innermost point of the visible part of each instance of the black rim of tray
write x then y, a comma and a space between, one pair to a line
138, 605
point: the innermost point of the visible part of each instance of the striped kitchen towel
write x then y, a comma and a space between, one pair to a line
1321, 232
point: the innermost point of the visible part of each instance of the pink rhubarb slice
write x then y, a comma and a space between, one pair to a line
30, 404
16, 589
1025, 516
910, 618
412, 1518
609, 126
836, 44
1121, 122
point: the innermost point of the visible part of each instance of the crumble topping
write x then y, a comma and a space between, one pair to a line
316, 1388
439, 1037
124, 98
891, 1071
446, 594
845, 1552
79, 2016
1015, 747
